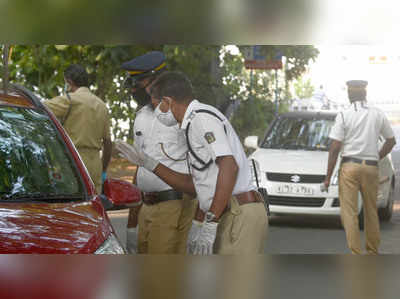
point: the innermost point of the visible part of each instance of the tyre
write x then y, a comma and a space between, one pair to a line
385, 214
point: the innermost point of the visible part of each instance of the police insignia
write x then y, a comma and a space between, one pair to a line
209, 136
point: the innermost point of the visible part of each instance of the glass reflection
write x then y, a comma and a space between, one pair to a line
299, 133
33, 161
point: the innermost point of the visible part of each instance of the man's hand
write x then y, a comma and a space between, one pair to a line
135, 155
325, 185
193, 235
203, 243
103, 177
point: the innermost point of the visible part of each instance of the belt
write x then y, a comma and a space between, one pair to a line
248, 197
359, 161
152, 198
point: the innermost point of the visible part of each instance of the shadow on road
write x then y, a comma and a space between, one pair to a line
307, 221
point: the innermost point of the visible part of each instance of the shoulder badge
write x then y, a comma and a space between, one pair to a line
209, 136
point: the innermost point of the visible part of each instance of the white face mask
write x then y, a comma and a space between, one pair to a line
66, 87
166, 118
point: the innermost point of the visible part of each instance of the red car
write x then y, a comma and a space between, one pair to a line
48, 203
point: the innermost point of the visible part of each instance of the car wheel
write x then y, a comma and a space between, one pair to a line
385, 214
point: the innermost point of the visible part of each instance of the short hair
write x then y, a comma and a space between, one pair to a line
77, 74
173, 84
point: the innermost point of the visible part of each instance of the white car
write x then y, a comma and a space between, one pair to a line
291, 163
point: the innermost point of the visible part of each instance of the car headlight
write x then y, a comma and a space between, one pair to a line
255, 172
111, 246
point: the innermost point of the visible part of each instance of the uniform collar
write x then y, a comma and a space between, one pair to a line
189, 114
82, 89
359, 105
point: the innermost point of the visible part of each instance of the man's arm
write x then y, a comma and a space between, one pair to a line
178, 181
387, 147
333, 155
107, 151
58, 105
227, 175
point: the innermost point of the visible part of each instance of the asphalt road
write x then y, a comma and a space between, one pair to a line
311, 235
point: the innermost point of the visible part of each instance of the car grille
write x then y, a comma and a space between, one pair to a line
336, 203
296, 201
288, 178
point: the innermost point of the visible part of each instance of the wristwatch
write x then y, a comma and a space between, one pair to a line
210, 217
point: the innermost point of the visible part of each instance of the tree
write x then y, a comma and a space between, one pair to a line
218, 76
303, 88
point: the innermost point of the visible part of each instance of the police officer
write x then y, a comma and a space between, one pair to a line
356, 132
165, 218
231, 218
85, 118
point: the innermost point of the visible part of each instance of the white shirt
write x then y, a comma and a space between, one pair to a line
208, 140
162, 143
359, 131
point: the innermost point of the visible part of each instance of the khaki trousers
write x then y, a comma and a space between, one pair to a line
94, 165
242, 229
164, 227
354, 178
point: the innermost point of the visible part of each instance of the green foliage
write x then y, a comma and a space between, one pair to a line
253, 118
303, 88
217, 76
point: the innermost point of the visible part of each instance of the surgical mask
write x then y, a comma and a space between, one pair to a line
141, 97
166, 118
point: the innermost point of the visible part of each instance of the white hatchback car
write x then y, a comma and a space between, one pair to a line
291, 163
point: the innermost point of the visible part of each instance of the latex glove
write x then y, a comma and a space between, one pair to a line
103, 177
193, 235
132, 239
135, 155
204, 243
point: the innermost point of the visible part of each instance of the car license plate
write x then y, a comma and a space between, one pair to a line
295, 189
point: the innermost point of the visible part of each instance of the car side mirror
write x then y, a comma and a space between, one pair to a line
251, 142
120, 195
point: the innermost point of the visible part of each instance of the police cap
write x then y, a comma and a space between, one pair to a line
357, 84
145, 65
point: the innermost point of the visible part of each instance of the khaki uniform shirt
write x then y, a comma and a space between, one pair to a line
87, 124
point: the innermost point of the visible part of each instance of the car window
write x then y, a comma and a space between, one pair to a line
34, 162
299, 133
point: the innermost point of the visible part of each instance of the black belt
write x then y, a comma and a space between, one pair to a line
152, 198
359, 161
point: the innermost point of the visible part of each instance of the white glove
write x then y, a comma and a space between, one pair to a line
132, 239
135, 155
204, 242
193, 235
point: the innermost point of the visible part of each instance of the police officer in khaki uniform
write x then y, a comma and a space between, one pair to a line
356, 133
231, 218
166, 216
85, 118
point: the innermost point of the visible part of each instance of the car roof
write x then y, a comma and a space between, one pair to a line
309, 115
17, 95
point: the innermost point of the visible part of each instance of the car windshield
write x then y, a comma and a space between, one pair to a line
299, 133
34, 162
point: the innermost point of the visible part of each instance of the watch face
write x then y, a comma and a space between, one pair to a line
210, 216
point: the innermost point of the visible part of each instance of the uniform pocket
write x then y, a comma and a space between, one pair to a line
236, 228
235, 212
